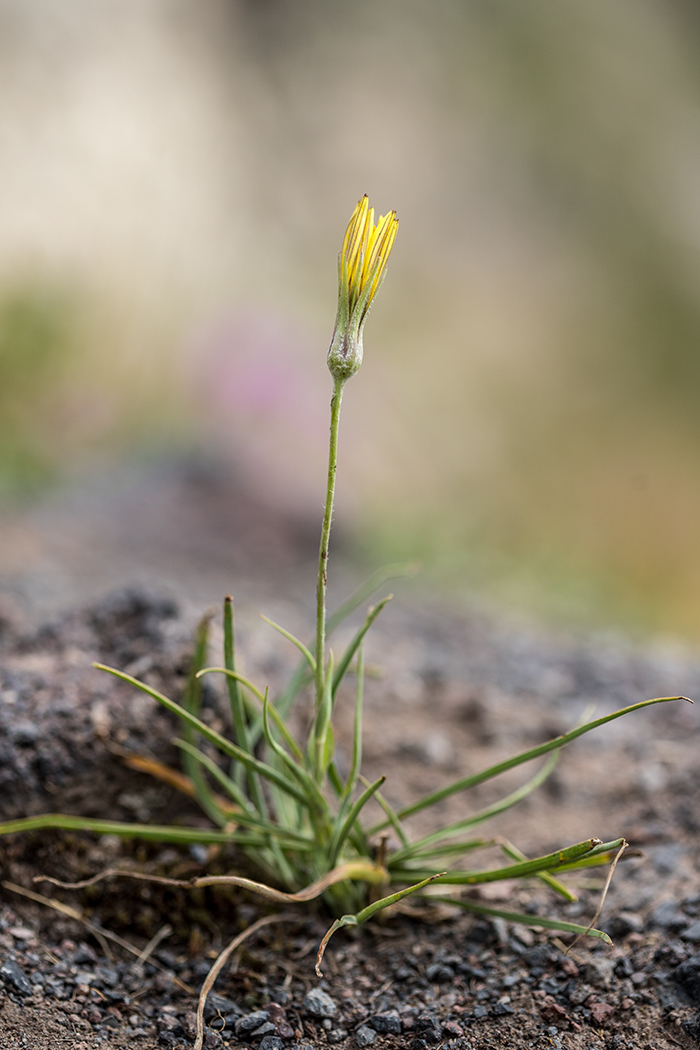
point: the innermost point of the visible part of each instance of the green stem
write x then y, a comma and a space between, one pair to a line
325, 540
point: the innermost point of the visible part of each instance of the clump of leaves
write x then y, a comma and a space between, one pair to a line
283, 801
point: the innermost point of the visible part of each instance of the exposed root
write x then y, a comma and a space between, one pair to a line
216, 968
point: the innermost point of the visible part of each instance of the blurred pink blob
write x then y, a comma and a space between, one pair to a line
262, 389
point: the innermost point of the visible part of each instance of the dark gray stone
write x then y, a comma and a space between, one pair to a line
15, 978
319, 1004
692, 934
364, 1035
385, 1024
265, 1029
218, 1005
272, 1042
246, 1025
687, 975
428, 1028
668, 916
439, 972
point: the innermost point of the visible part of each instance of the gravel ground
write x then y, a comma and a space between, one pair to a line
451, 692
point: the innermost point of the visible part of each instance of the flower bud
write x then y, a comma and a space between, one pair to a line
361, 268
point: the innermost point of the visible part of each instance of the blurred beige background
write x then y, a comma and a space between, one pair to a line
175, 180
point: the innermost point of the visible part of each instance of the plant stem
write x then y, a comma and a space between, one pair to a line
325, 540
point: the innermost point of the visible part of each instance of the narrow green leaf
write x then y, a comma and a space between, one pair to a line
554, 884
520, 917
344, 828
477, 818
367, 913
238, 714
213, 737
356, 763
392, 817
321, 727
294, 640
542, 749
192, 703
552, 861
314, 798
354, 645
453, 849
156, 832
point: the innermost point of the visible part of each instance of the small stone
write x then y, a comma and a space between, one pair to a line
319, 1004
451, 1028
599, 971
428, 1028
580, 993
13, 976
688, 976
439, 972
692, 934
501, 1009
267, 1028
480, 1012
639, 978
276, 1013
248, 1024
364, 1035
24, 733
623, 967
668, 917
213, 1041
624, 923
272, 1042
600, 1012
665, 859
218, 1005
21, 933
385, 1024
336, 1035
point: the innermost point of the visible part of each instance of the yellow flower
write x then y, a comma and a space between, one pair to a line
361, 268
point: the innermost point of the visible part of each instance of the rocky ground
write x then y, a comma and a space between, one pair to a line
451, 691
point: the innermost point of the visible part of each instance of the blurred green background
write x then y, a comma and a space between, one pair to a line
175, 180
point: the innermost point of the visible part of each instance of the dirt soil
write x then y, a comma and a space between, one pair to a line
451, 691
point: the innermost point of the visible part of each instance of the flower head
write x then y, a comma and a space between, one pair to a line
361, 268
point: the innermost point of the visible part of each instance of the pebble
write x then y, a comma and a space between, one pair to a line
439, 972
271, 1042
219, 1005
688, 976
265, 1029
599, 971
319, 1004
248, 1024
692, 934
428, 1028
13, 976
385, 1024
212, 1041
364, 1035
668, 916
